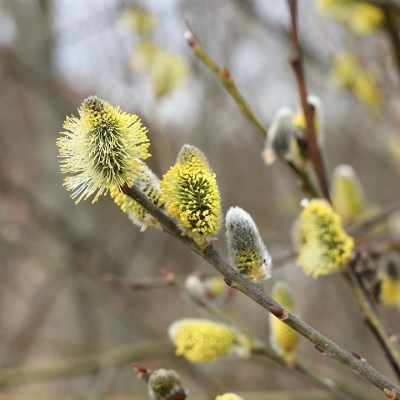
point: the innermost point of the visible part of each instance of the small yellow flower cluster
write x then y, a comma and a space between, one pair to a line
284, 339
228, 396
200, 340
390, 286
191, 195
347, 72
325, 247
101, 149
360, 17
148, 183
347, 194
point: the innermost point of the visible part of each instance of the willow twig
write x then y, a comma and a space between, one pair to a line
224, 76
312, 144
258, 294
373, 321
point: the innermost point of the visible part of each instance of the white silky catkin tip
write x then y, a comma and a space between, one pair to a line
280, 134
246, 250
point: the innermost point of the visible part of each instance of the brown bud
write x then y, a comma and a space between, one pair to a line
225, 73
228, 282
191, 41
279, 312
319, 349
141, 371
358, 356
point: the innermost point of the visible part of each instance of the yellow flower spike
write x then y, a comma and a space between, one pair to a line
390, 283
360, 17
284, 340
228, 396
325, 247
147, 181
201, 340
165, 384
347, 194
246, 250
101, 149
366, 18
280, 135
191, 195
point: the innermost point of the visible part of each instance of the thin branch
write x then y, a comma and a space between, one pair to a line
374, 220
373, 321
258, 294
312, 144
224, 76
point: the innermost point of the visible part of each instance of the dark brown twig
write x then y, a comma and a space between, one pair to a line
312, 144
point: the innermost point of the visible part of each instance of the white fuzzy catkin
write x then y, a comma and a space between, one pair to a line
280, 134
246, 250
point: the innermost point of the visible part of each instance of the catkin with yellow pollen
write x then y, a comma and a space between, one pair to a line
191, 195
102, 148
147, 181
347, 195
284, 340
325, 247
228, 396
246, 250
201, 340
390, 284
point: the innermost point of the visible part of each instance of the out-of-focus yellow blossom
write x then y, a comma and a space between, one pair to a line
325, 247
347, 194
360, 17
390, 283
191, 195
101, 149
149, 184
137, 19
284, 339
201, 340
348, 73
168, 71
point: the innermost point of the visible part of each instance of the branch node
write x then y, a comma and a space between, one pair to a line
390, 394
358, 356
319, 349
279, 312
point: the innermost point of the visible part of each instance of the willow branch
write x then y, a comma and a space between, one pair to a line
312, 144
258, 294
373, 322
224, 76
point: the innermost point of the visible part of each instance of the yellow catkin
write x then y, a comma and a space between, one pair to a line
284, 339
347, 194
191, 195
325, 247
102, 148
148, 183
390, 286
201, 340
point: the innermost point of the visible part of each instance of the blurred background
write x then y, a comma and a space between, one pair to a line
64, 333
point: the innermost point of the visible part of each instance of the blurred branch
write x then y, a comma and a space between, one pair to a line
258, 294
372, 221
93, 363
312, 144
373, 321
